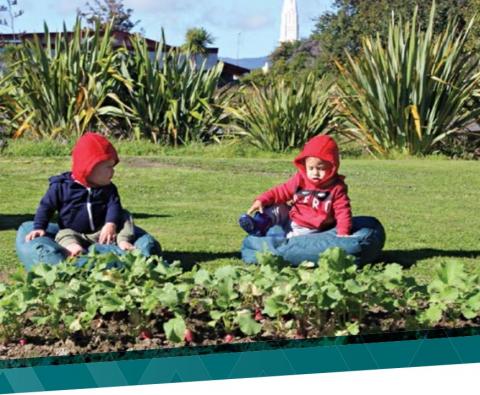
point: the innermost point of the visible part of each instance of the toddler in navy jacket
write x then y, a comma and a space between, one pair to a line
87, 202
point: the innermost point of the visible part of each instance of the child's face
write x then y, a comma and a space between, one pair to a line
316, 168
102, 173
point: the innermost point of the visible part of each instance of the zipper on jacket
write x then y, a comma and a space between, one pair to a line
89, 210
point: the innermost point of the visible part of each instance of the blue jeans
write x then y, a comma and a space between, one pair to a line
46, 250
365, 243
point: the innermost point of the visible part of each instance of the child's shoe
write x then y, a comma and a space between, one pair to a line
256, 225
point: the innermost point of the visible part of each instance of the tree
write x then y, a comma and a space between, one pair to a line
344, 28
103, 11
196, 41
9, 8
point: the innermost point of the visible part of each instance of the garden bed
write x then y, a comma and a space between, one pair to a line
114, 337
131, 303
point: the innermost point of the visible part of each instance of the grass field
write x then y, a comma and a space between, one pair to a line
191, 204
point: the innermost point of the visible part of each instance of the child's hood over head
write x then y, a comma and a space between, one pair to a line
322, 147
90, 150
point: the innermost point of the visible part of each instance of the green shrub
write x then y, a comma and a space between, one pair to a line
283, 116
66, 86
412, 93
9, 111
171, 100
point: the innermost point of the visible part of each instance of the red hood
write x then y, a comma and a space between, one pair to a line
90, 149
324, 148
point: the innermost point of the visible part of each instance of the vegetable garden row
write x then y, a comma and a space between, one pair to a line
120, 303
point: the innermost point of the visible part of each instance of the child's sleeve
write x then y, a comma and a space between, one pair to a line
47, 207
281, 193
114, 207
343, 211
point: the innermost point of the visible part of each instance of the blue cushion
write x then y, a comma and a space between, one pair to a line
46, 250
365, 243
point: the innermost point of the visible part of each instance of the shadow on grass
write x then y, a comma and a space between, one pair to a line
148, 215
189, 258
13, 221
408, 258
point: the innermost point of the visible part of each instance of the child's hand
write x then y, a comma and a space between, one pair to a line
108, 233
34, 234
126, 246
256, 206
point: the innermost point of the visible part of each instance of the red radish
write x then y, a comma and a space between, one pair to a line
188, 336
299, 334
145, 334
22, 342
228, 338
258, 314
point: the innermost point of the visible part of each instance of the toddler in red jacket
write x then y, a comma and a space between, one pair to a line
313, 200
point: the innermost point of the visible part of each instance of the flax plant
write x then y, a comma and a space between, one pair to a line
9, 111
410, 94
67, 84
171, 99
285, 115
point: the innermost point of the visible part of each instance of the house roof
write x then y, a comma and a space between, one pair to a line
234, 69
120, 37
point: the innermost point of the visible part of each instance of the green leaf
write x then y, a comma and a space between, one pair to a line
337, 260
202, 277
471, 307
354, 287
247, 324
112, 303
19, 276
468, 312
168, 295
451, 272
139, 267
75, 325
274, 306
175, 329
225, 272
333, 292
216, 314
433, 314
393, 272
46, 272
449, 294
353, 328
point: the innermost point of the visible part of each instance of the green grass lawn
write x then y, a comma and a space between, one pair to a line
191, 204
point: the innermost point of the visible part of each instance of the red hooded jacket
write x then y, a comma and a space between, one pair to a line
316, 204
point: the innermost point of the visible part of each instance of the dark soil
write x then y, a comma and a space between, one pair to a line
117, 335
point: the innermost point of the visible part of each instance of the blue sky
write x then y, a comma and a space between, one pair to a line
249, 28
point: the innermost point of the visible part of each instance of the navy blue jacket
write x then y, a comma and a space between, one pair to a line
85, 210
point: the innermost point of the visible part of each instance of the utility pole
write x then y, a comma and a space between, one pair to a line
238, 46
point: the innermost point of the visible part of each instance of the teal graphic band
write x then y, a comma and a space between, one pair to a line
242, 361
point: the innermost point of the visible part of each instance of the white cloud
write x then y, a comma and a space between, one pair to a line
138, 6
236, 21
254, 22
160, 6
66, 8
